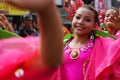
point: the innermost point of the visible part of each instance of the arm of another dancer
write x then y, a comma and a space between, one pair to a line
50, 28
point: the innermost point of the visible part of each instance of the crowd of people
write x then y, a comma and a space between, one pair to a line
84, 57
26, 27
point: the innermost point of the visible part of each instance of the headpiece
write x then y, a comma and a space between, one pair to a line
71, 6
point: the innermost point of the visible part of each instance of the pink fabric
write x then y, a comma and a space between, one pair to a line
73, 68
104, 60
113, 62
104, 54
14, 53
104, 63
117, 35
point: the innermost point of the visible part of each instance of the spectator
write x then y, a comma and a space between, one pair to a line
26, 28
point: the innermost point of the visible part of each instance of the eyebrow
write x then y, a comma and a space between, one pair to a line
85, 16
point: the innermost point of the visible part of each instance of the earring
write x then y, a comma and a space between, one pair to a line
92, 35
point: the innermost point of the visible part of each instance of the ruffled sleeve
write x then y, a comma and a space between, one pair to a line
105, 56
113, 57
14, 52
105, 60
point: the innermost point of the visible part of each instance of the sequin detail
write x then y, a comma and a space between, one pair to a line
75, 52
19, 72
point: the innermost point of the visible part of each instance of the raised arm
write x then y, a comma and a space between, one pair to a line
5, 23
115, 20
50, 28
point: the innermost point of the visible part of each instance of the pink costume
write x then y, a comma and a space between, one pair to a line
117, 35
103, 64
14, 53
75, 68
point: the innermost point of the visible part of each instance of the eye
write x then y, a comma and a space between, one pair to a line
77, 17
88, 20
107, 15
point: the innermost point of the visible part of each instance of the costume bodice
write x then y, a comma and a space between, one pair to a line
76, 68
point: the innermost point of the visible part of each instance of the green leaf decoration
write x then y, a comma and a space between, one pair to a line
103, 34
67, 37
96, 32
6, 34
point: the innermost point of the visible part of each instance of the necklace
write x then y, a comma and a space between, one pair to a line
75, 52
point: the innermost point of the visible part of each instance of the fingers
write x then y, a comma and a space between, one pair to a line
1, 23
114, 17
2, 17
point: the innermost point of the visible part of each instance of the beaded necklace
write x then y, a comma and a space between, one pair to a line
75, 52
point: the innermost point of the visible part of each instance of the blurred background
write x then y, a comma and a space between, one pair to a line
16, 16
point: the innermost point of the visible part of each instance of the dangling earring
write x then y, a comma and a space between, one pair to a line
92, 35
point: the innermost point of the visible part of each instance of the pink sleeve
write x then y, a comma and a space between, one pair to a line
111, 70
114, 60
105, 56
97, 62
15, 51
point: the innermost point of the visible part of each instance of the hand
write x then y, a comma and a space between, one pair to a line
32, 5
115, 19
5, 23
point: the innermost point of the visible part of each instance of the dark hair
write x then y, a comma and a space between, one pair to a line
27, 17
92, 9
88, 1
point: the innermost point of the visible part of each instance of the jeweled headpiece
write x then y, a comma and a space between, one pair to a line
71, 6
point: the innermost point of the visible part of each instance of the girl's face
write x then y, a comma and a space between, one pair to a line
83, 21
107, 20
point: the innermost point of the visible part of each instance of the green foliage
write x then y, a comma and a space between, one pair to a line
67, 37
7, 34
103, 34
96, 32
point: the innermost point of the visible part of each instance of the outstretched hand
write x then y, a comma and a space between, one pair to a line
32, 5
115, 19
5, 23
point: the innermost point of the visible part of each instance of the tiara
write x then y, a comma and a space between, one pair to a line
71, 6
